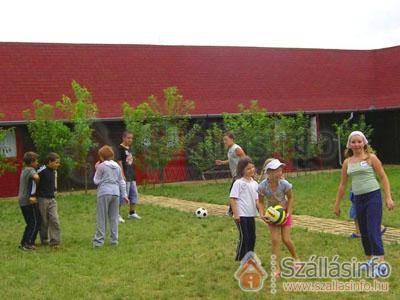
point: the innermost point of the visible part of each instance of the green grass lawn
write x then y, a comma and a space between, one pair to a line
168, 254
314, 194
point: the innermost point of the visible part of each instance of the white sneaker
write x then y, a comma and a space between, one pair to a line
135, 216
120, 219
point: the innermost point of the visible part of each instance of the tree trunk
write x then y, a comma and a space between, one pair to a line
86, 178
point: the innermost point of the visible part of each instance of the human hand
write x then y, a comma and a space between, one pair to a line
218, 162
390, 203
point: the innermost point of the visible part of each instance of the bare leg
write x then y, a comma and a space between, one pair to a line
288, 242
275, 239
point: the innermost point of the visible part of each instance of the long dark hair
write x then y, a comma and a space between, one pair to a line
242, 164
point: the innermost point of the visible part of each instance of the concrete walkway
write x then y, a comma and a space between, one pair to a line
310, 223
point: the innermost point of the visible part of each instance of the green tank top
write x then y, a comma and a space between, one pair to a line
363, 177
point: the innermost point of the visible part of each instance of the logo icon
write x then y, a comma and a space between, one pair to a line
251, 274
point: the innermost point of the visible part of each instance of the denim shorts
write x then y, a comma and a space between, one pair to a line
352, 211
132, 192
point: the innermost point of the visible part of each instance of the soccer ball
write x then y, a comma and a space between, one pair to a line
201, 213
276, 214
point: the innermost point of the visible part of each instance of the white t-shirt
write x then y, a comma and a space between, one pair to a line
245, 193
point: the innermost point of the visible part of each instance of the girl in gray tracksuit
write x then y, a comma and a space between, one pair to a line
110, 186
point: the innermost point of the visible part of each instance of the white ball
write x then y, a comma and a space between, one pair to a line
201, 212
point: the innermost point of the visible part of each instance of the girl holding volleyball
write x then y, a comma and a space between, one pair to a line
278, 192
362, 166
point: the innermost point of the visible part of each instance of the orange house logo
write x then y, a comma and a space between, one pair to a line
250, 274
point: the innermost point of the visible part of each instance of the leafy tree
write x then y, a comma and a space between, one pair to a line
263, 135
6, 165
306, 145
50, 134
253, 130
344, 129
158, 128
202, 155
81, 112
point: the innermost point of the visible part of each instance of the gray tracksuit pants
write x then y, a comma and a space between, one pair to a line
107, 208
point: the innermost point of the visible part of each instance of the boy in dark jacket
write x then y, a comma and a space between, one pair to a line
46, 190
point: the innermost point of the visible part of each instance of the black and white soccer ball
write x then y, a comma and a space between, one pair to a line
201, 213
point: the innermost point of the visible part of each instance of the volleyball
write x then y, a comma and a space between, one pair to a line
276, 214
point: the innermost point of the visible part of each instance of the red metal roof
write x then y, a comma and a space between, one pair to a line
217, 78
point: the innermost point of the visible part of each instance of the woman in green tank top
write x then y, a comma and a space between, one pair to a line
362, 166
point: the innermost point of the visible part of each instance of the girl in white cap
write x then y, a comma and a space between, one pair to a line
362, 166
278, 191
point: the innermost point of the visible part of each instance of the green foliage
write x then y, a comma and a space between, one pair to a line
6, 165
346, 127
262, 135
158, 128
81, 112
253, 130
203, 154
50, 134
300, 142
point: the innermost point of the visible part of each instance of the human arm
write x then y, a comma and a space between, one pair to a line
290, 199
36, 177
377, 165
122, 186
233, 203
221, 162
122, 169
261, 208
239, 152
341, 189
98, 174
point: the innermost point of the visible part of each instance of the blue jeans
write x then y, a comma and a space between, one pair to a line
369, 217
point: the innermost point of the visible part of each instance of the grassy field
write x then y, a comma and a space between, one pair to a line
168, 254
314, 194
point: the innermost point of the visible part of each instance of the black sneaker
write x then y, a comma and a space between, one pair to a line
27, 247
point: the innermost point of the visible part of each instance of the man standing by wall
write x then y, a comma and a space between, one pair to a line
125, 159
235, 152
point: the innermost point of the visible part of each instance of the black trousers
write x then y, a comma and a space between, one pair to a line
32, 219
247, 236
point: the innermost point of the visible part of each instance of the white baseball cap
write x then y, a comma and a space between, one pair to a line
274, 164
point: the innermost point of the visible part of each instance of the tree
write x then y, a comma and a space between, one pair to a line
202, 155
6, 165
50, 134
159, 129
252, 129
262, 135
81, 112
306, 144
344, 129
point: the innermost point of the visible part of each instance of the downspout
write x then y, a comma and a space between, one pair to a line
339, 145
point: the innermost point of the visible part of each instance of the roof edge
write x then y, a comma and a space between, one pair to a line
187, 46
198, 116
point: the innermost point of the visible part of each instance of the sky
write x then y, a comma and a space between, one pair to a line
338, 24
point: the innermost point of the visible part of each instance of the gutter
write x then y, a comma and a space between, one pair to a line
199, 116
